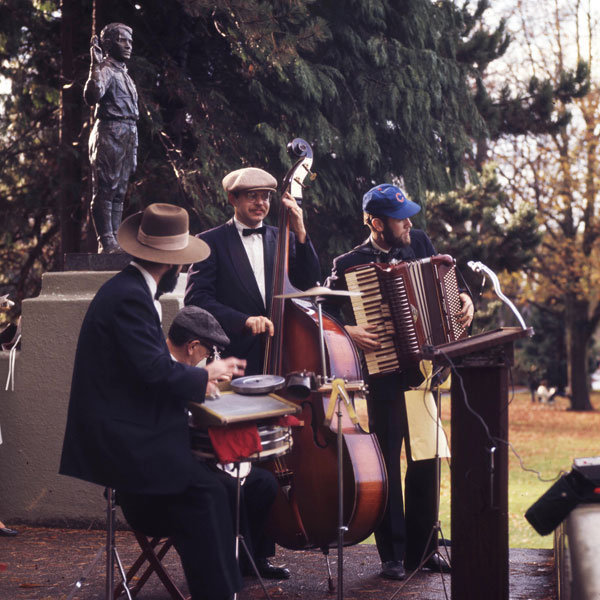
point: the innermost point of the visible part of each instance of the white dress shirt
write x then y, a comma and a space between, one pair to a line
253, 245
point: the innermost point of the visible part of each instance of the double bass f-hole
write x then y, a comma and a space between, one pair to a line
314, 426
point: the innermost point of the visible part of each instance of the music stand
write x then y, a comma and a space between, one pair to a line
338, 394
436, 529
239, 538
112, 555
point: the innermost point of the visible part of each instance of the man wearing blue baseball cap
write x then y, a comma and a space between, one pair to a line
404, 534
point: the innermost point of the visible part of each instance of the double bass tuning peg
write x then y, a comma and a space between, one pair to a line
312, 176
302, 185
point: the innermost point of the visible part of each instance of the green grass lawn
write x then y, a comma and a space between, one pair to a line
547, 439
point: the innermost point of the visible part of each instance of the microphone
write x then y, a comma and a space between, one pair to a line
478, 267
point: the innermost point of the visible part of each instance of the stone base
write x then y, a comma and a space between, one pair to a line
33, 416
86, 261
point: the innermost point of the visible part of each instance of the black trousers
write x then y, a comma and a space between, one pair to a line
406, 526
201, 522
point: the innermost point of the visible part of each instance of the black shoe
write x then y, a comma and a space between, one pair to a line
444, 542
393, 569
436, 562
269, 571
6, 532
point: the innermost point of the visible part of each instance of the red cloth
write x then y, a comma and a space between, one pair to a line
288, 421
235, 442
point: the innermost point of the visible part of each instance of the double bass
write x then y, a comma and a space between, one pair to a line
305, 514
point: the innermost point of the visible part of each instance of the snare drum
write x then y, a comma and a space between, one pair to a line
276, 440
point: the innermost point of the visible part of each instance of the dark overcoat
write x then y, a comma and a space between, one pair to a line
127, 422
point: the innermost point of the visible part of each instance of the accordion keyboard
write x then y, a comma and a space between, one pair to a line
370, 309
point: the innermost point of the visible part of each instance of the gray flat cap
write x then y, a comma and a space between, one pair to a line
202, 325
249, 178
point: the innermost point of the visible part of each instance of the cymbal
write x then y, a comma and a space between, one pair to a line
318, 291
257, 384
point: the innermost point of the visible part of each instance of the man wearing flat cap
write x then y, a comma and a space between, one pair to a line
235, 283
127, 426
195, 335
402, 538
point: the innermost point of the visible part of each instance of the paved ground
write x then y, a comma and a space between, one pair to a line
44, 564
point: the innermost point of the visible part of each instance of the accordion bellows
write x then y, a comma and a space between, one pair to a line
412, 304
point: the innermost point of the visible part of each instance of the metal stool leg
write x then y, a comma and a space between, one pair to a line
111, 554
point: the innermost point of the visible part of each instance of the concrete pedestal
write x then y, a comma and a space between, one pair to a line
33, 416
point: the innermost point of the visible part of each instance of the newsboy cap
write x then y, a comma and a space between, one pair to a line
249, 178
202, 325
386, 200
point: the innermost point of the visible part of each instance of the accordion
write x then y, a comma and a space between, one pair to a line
412, 304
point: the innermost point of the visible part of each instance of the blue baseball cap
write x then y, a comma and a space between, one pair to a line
386, 200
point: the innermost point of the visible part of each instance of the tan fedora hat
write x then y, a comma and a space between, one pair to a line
160, 233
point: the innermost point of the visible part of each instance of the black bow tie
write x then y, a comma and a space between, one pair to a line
258, 230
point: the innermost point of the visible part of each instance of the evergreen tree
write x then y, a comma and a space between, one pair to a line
383, 90
29, 116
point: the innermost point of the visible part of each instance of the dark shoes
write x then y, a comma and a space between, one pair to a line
269, 571
6, 532
436, 562
393, 569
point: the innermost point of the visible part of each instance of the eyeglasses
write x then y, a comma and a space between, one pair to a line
258, 196
206, 353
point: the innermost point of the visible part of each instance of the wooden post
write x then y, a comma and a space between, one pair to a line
479, 478
479, 482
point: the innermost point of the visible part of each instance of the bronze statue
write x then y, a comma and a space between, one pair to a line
113, 140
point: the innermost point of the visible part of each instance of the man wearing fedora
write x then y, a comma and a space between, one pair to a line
127, 426
235, 283
403, 538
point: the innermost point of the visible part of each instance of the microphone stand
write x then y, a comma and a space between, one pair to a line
335, 398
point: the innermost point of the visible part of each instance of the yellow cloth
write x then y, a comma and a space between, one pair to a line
423, 421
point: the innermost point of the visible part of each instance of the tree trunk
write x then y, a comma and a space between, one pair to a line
578, 337
71, 113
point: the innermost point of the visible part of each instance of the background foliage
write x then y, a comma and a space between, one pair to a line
383, 91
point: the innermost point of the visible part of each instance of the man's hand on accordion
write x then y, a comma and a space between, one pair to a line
465, 316
363, 337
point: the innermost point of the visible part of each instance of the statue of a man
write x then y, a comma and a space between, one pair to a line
114, 139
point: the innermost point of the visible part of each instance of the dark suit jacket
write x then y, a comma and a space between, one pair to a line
225, 286
127, 422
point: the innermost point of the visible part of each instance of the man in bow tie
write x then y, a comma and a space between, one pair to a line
235, 283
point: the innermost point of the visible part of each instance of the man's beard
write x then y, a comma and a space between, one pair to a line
168, 281
391, 240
